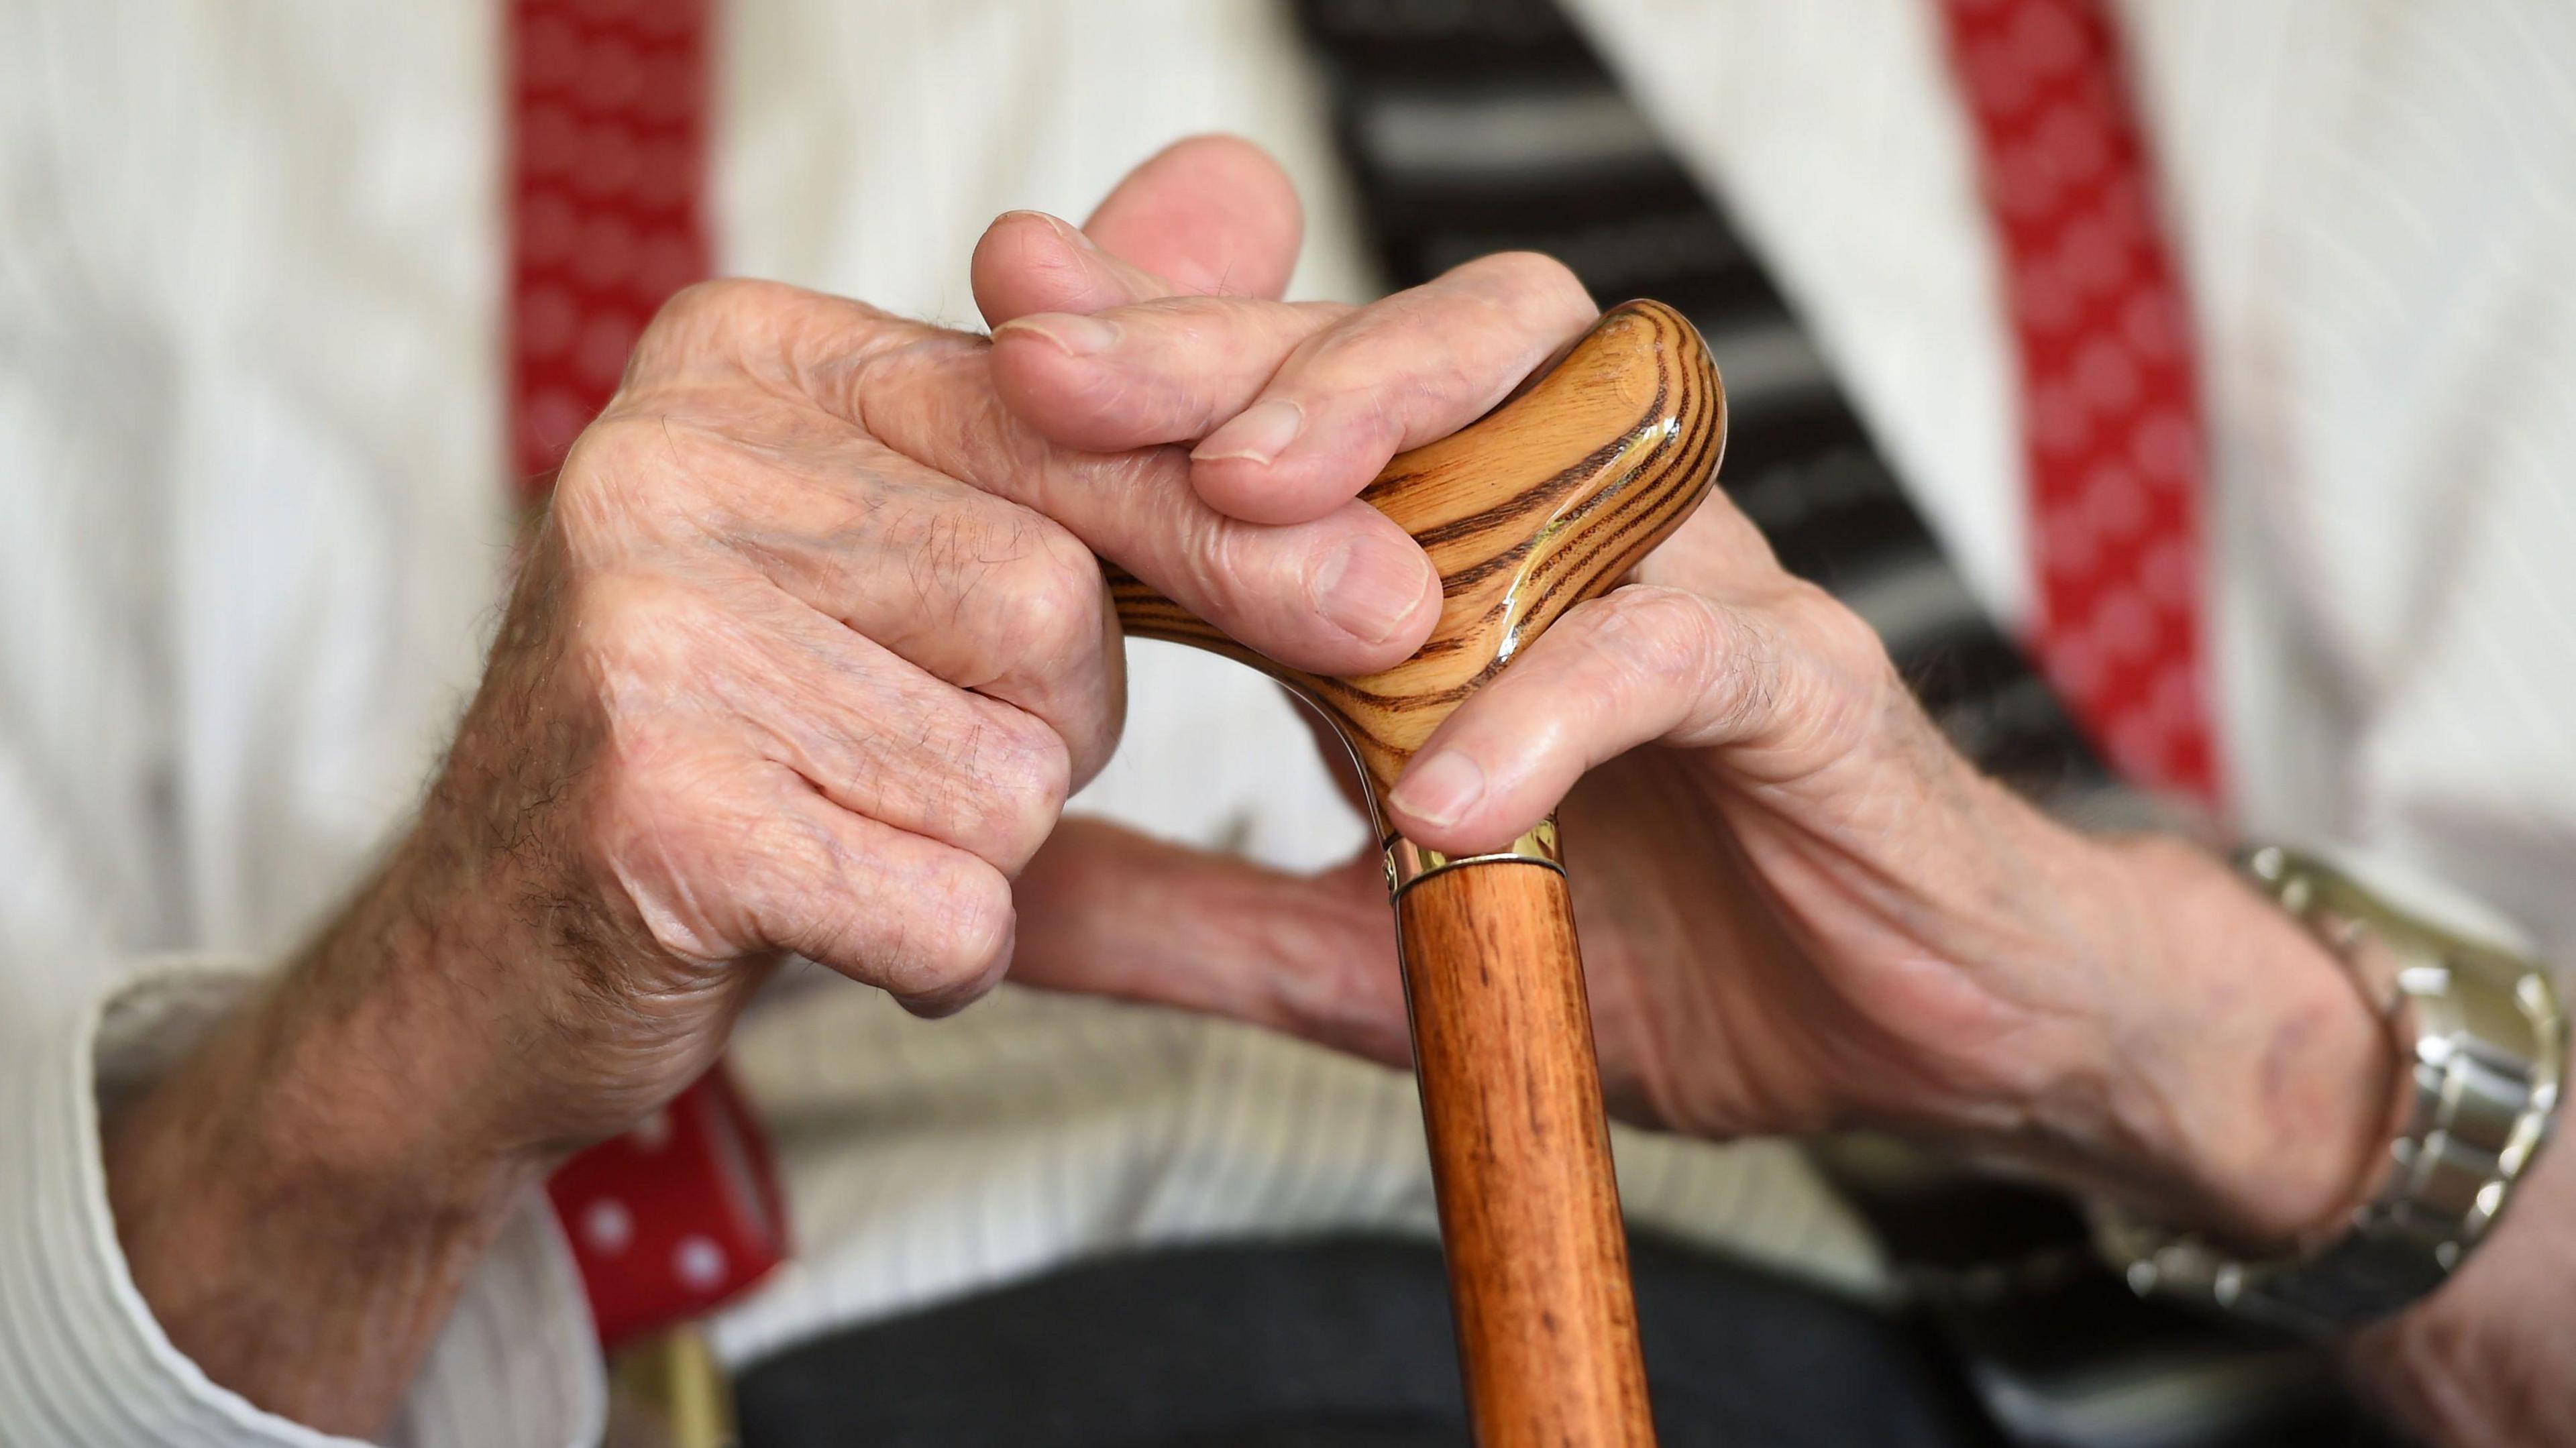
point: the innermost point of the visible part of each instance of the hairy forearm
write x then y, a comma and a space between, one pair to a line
302, 1199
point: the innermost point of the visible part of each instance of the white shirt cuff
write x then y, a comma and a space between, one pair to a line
82, 1361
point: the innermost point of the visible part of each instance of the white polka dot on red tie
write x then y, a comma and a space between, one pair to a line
2106, 376
699, 1263
2169, 573
2093, 254
2075, 143
607, 1227
2124, 626
2059, 422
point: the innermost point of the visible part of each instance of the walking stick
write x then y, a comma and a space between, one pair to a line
1547, 501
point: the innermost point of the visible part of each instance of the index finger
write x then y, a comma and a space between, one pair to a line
1345, 593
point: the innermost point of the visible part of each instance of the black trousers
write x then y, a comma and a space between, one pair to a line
1341, 1342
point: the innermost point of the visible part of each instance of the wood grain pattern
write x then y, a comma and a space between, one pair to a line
1547, 501
1520, 1157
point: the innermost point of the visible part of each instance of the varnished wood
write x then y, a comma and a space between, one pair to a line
1520, 1157
1546, 502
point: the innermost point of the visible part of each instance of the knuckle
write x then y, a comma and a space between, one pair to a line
780, 332
1051, 611
650, 780
617, 451
1017, 774
1670, 642
1660, 636
949, 544
629, 634
703, 311
1234, 571
660, 815
699, 318
629, 471
1847, 681
1375, 376
1840, 634
1535, 280
1012, 596
955, 940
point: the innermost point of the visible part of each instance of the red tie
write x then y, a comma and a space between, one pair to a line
2110, 406
676, 1217
607, 161
607, 165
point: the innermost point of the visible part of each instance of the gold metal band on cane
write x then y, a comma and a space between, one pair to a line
1407, 863
670, 1390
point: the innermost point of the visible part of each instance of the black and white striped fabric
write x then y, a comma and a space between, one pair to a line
1475, 128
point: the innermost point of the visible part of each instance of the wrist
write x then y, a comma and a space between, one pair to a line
2249, 1086
397, 1049
306, 1090
225, 1148
296, 1243
347, 1105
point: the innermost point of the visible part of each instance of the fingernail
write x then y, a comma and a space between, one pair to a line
1440, 790
1370, 586
1078, 336
1259, 432
1070, 232
1052, 222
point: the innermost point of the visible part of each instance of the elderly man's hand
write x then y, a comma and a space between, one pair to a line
806, 657
1800, 907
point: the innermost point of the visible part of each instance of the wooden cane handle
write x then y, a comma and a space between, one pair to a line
1545, 502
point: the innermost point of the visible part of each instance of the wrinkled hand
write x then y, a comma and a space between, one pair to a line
1801, 908
809, 651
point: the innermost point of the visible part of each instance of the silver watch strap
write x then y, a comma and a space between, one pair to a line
2480, 1031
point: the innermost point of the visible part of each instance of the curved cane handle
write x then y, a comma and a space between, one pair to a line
1547, 501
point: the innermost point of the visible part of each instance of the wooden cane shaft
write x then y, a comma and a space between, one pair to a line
1520, 1158
1549, 500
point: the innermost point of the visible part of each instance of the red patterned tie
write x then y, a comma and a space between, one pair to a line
607, 161
675, 1217
2110, 407
607, 165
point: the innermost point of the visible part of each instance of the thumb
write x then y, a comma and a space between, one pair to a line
1207, 216
1106, 911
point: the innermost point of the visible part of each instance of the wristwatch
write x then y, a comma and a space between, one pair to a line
2479, 1032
